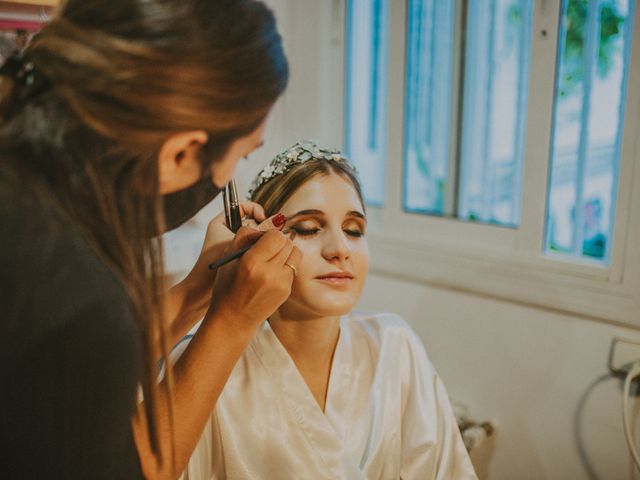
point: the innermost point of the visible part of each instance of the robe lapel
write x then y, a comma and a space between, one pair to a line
338, 405
325, 433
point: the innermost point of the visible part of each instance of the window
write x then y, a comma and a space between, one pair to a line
428, 105
593, 60
494, 109
366, 52
503, 146
475, 175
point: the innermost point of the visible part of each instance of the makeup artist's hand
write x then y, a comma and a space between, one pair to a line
218, 239
187, 302
249, 290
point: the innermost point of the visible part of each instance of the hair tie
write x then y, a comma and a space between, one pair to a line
24, 73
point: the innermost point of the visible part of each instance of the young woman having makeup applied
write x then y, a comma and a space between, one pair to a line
120, 120
321, 392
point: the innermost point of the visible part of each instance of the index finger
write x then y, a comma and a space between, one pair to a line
268, 246
246, 236
253, 210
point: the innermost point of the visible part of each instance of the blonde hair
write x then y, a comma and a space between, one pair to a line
275, 192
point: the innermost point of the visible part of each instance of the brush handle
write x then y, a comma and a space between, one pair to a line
229, 258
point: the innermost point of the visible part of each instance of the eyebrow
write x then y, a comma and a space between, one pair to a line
313, 211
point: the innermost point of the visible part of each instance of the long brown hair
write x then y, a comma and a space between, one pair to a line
123, 75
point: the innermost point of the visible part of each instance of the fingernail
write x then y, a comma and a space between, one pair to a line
276, 222
279, 220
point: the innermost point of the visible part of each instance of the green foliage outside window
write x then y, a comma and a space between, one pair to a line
611, 23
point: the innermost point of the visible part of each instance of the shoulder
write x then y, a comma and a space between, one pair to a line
398, 353
32, 229
38, 243
385, 331
379, 325
52, 280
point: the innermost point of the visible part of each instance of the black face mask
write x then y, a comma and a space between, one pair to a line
182, 205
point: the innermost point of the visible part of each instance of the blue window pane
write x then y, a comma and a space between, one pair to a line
428, 104
366, 93
487, 178
589, 108
498, 37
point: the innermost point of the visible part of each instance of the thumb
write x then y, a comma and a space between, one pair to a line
246, 236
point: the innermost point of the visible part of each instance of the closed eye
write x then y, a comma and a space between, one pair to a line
305, 232
354, 233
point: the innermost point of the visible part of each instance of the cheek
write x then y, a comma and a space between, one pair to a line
361, 264
360, 256
310, 254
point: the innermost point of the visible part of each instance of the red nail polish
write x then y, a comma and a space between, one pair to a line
279, 220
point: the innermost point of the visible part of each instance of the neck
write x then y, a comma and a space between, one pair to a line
307, 341
311, 344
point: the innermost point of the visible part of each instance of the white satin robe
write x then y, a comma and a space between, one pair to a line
387, 414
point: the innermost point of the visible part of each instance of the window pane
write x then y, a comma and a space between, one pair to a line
366, 89
428, 104
485, 183
498, 37
589, 109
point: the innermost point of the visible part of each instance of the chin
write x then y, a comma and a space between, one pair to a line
321, 305
331, 305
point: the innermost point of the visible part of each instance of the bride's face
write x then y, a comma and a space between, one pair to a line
329, 224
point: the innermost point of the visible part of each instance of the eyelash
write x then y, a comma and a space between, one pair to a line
305, 232
310, 232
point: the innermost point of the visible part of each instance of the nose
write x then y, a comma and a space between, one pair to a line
336, 245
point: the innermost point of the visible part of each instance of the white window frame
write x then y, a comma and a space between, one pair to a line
510, 263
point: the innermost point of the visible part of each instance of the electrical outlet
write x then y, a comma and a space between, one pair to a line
624, 352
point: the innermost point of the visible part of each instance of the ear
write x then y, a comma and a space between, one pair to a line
179, 160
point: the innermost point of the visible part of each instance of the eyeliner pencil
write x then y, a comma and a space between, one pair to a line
229, 258
274, 222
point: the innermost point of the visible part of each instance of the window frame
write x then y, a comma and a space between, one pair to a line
504, 262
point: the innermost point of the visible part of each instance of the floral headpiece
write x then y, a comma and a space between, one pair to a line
295, 155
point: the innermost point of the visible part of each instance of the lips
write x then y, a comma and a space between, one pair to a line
335, 276
336, 279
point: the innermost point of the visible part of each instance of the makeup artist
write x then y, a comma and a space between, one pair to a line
121, 120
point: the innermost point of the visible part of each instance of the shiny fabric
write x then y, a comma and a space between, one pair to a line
387, 414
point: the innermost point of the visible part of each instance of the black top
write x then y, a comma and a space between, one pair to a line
70, 352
